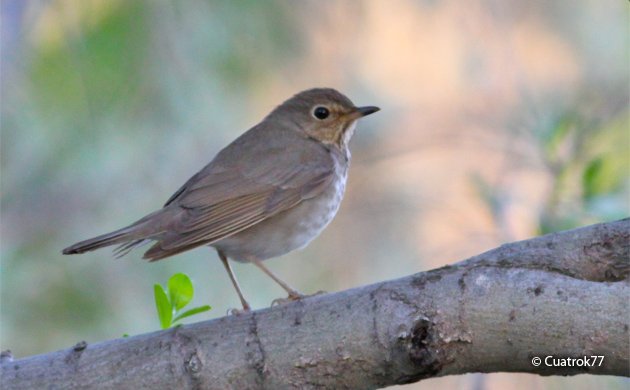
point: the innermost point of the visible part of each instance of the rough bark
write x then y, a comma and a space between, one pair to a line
564, 295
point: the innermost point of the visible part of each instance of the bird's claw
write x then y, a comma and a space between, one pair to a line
237, 312
294, 296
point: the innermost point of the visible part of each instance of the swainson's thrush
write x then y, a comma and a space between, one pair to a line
271, 191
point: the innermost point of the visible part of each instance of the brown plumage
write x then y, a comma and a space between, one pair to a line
270, 191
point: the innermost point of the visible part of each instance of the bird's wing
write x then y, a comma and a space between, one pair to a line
230, 195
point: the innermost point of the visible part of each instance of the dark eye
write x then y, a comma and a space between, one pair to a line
321, 112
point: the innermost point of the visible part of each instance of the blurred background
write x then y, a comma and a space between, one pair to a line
501, 120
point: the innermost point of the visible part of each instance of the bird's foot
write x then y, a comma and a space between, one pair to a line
238, 312
294, 296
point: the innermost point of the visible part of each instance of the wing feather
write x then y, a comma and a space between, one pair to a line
226, 198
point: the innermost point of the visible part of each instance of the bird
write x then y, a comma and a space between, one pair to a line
269, 192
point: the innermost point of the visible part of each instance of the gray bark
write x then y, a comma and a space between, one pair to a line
564, 295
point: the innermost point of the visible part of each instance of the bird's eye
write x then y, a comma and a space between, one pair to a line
321, 112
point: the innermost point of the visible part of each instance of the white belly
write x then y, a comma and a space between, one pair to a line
287, 231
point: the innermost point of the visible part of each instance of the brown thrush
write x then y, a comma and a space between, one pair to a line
271, 191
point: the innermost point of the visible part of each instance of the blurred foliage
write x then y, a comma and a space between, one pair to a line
96, 68
589, 163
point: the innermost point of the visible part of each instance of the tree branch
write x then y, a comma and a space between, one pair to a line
563, 295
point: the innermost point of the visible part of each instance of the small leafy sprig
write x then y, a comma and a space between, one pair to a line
170, 302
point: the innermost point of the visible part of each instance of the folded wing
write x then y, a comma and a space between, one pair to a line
232, 194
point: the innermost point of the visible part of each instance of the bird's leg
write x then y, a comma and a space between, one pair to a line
293, 294
224, 260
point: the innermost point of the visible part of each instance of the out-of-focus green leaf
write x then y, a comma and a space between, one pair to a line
180, 290
599, 177
191, 312
164, 309
557, 134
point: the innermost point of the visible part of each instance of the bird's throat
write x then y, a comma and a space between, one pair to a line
345, 134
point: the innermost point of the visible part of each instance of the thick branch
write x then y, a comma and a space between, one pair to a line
564, 294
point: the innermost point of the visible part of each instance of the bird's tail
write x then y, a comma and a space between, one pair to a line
130, 236
116, 237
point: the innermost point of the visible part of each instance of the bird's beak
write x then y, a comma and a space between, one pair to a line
367, 110
360, 112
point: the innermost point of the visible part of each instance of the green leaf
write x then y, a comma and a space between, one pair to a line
180, 290
164, 309
191, 312
600, 177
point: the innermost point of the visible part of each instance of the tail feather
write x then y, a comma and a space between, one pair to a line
125, 248
129, 236
117, 237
